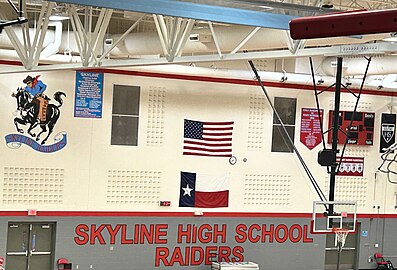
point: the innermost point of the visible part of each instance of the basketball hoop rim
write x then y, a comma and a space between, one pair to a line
340, 236
331, 231
340, 230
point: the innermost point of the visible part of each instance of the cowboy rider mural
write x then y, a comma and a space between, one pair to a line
36, 111
36, 88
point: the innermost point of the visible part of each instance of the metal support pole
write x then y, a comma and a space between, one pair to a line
335, 130
339, 255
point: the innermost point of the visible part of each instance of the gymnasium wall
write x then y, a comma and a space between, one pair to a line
90, 177
88, 173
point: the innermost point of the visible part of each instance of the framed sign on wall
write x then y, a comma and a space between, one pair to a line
362, 129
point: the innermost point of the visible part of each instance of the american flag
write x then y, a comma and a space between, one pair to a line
208, 138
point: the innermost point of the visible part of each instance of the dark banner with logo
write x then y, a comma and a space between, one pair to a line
388, 131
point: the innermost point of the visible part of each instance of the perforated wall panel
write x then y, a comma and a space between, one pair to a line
133, 187
267, 190
349, 188
348, 105
155, 121
256, 123
32, 186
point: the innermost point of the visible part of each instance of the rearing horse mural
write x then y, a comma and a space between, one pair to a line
29, 112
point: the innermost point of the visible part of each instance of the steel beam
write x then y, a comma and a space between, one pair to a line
161, 32
132, 27
276, 54
218, 49
28, 51
173, 34
358, 22
190, 10
99, 32
378, 48
184, 37
41, 32
245, 40
89, 43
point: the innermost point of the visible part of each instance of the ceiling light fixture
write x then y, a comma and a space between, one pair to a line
327, 4
58, 17
266, 7
59, 13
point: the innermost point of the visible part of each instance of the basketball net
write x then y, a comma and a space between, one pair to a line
388, 159
340, 236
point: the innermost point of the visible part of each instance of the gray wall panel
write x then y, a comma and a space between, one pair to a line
281, 256
142, 256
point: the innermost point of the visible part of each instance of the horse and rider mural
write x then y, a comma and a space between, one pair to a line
35, 109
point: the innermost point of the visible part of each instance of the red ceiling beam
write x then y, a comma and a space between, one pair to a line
358, 22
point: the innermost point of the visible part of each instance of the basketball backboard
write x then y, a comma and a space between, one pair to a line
343, 216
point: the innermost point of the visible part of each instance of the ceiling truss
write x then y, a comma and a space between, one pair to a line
29, 48
89, 42
173, 33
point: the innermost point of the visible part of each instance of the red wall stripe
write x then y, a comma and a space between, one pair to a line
16, 63
174, 214
292, 86
217, 80
10, 63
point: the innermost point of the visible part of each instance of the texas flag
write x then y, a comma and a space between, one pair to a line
204, 190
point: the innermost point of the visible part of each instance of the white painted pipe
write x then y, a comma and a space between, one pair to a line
228, 38
381, 65
372, 82
53, 59
53, 47
144, 44
5, 42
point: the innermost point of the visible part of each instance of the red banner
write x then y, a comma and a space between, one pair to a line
351, 166
310, 127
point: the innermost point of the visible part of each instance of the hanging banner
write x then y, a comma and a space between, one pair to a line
388, 131
88, 96
351, 166
310, 134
